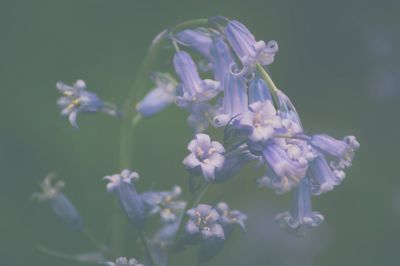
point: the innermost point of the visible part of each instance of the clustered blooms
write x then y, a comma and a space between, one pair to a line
221, 80
122, 261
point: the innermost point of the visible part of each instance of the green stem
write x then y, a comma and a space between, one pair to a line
94, 241
271, 85
147, 248
195, 201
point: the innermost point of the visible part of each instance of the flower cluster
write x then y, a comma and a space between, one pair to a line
220, 79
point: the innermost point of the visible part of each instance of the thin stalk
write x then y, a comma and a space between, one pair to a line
94, 241
147, 248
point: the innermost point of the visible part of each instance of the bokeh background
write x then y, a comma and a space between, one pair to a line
338, 61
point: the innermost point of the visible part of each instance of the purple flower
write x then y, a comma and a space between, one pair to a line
59, 203
160, 97
248, 50
193, 87
234, 162
258, 91
206, 156
301, 217
199, 39
228, 218
287, 163
164, 202
132, 204
259, 122
204, 222
221, 59
342, 150
200, 115
122, 261
76, 99
235, 100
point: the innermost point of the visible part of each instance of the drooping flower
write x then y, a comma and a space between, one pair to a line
203, 222
260, 122
131, 202
248, 50
221, 59
76, 99
341, 150
206, 156
192, 87
160, 97
200, 115
166, 203
122, 261
301, 217
59, 203
200, 39
229, 218
235, 100
258, 91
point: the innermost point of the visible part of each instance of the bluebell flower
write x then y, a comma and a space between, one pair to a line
235, 100
259, 122
160, 97
206, 156
122, 261
200, 115
229, 218
287, 163
192, 86
221, 59
248, 50
259, 91
166, 234
301, 217
322, 177
166, 203
59, 203
131, 202
290, 118
200, 39
203, 222
76, 99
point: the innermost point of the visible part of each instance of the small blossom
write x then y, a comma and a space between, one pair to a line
342, 150
200, 115
301, 217
76, 99
132, 204
192, 86
204, 222
249, 51
206, 156
229, 218
160, 97
221, 59
259, 122
235, 100
59, 203
258, 91
199, 39
122, 261
164, 202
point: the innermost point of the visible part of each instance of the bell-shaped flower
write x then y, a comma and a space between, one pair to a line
122, 261
192, 87
199, 39
248, 50
229, 218
234, 102
259, 91
287, 164
221, 59
59, 203
166, 203
341, 150
260, 122
76, 99
301, 216
131, 202
203, 222
206, 156
160, 97
200, 115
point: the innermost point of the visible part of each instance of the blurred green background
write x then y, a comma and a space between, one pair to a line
338, 61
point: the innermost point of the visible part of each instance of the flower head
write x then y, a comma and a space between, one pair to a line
248, 50
204, 222
221, 59
164, 202
193, 88
58, 202
130, 201
122, 261
228, 217
258, 91
301, 217
206, 156
76, 99
160, 97
200, 39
